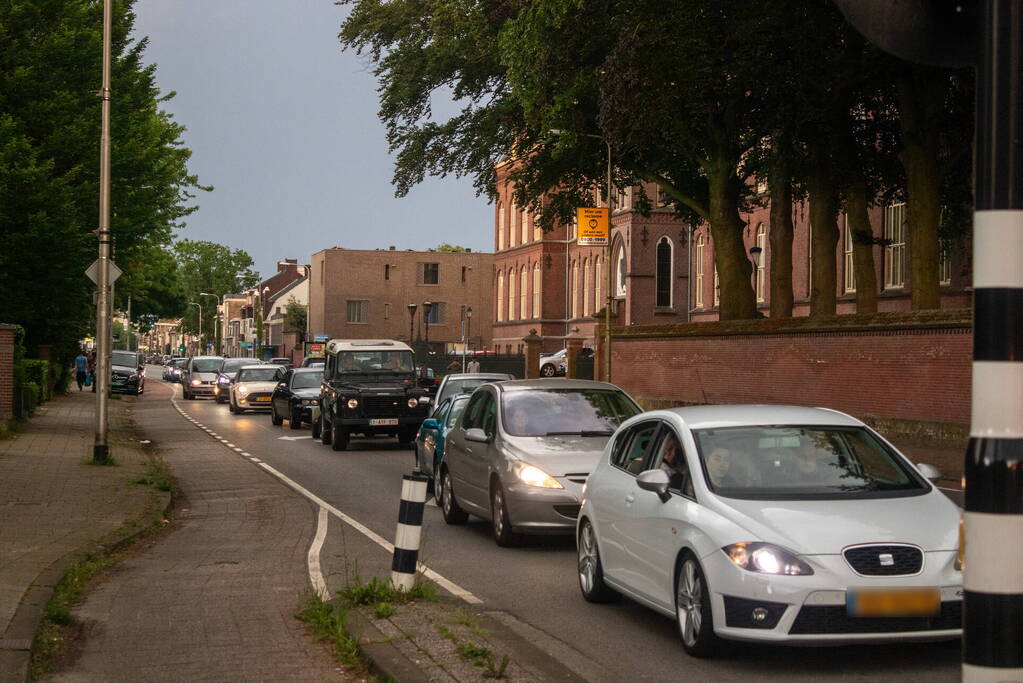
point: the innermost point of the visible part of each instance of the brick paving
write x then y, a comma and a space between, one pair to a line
214, 598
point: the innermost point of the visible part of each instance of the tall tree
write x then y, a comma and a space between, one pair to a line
211, 268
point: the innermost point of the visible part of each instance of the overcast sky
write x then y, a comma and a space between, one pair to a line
283, 124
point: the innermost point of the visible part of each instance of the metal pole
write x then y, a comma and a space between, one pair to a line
100, 448
993, 519
610, 294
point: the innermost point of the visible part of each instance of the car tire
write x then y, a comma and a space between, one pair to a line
316, 426
276, 419
548, 371
449, 507
230, 407
338, 437
325, 431
437, 483
221, 399
693, 614
591, 570
296, 419
503, 534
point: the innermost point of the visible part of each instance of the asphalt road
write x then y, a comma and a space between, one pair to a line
536, 583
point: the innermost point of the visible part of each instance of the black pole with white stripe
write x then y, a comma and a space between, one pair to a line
993, 578
409, 533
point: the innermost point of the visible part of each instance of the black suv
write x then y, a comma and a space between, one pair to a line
369, 387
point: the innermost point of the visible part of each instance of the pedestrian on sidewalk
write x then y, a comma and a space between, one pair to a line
81, 368
92, 370
473, 366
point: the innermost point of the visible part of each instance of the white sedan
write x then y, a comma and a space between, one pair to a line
253, 386
770, 523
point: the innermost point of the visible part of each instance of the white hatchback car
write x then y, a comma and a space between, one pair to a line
770, 523
253, 386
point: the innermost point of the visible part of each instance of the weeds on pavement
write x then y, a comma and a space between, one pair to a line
328, 623
379, 592
157, 475
477, 655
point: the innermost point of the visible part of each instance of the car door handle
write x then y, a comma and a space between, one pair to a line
629, 498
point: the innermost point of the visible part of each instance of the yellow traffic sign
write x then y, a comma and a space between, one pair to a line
594, 227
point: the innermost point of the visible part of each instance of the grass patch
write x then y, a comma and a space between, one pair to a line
157, 475
470, 620
328, 623
10, 428
477, 655
377, 591
384, 610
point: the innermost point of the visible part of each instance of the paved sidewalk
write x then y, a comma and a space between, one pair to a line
214, 598
52, 504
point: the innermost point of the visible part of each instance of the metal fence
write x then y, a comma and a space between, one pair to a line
513, 364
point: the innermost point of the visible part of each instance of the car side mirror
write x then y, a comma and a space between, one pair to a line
929, 472
656, 481
476, 434
430, 423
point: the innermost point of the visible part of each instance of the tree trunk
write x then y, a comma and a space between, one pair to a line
780, 236
863, 247
824, 238
738, 300
921, 98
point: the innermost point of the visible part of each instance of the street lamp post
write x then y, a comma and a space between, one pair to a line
468, 334
411, 322
427, 305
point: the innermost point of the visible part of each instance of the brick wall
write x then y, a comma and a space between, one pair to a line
903, 366
7, 371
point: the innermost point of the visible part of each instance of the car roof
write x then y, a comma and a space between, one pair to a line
335, 345
477, 375
554, 383
306, 371
721, 416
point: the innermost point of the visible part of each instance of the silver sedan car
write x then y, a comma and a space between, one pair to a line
522, 450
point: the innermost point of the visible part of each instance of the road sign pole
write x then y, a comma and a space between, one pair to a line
100, 449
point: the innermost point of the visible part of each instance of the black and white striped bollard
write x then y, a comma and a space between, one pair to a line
409, 533
993, 567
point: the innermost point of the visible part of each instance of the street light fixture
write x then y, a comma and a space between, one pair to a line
411, 321
607, 256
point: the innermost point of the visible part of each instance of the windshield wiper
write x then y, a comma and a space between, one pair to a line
585, 432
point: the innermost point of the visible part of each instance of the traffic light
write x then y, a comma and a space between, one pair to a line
181, 349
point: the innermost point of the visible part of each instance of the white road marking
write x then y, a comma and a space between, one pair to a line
315, 574
293, 438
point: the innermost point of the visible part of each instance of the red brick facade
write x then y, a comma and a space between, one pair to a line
7, 371
902, 366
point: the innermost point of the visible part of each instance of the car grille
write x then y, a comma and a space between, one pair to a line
835, 619
872, 560
577, 477
570, 511
381, 406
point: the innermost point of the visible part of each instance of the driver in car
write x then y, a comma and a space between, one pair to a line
349, 364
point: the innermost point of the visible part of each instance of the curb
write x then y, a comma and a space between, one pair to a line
383, 658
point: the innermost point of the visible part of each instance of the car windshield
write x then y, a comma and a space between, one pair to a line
355, 362
462, 386
306, 380
267, 374
207, 364
231, 365
179, 362
790, 462
550, 412
124, 358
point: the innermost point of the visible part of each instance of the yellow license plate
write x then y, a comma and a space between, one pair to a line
263, 399
910, 602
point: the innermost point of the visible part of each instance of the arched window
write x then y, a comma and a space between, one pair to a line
536, 290
512, 302
598, 283
587, 287
513, 226
575, 289
500, 226
525, 228
537, 231
699, 272
524, 293
500, 296
665, 266
620, 267
762, 261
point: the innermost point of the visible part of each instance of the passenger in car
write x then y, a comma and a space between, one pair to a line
673, 462
719, 464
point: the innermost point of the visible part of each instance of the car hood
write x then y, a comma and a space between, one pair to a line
307, 393
204, 375
123, 368
257, 386
819, 527
558, 455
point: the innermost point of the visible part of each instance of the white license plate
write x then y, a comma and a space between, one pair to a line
383, 422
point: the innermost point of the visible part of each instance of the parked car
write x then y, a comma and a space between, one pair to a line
459, 383
127, 372
172, 369
228, 370
429, 445
253, 386
771, 523
295, 396
283, 362
522, 450
199, 376
556, 364
310, 361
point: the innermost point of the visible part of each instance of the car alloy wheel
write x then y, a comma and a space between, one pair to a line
503, 533
591, 571
548, 371
437, 483
449, 507
692, 610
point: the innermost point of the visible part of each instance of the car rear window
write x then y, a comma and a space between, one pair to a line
547, 412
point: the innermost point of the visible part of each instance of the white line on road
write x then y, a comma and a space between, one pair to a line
293, 438
315, 574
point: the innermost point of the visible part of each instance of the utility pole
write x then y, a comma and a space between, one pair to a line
100, 448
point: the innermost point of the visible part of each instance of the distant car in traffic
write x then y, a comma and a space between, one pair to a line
199, 376
295, 396
777, 524
253, 386
429, 444
310, 361
556, 364
522, 450
172, 369
283, 362
465, 382
127, 372
228, 370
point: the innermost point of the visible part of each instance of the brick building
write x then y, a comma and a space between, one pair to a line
360, 294
548, 282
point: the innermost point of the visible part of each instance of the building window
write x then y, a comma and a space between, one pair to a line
598, 281
575, 289
500, 297
665, 265
436, 314
513, 228
524, 293
944, 268
850, 264
624, 200
511, 293
357, 311
537, 231
429, 273
895, 251
525, 227
717, 287
762, 261
587, 288
464, 270
387, 271
387, 311
500, 226
619, 272
536, 289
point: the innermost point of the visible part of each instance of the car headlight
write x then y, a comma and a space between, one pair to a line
764, 558
224, 380
534, 476
196, 382
309, 402
353, 403
413, 402
243, 389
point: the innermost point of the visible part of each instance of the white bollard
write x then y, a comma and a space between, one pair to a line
408, 535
